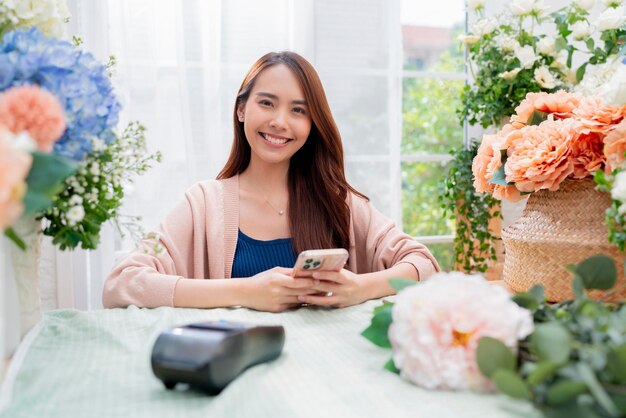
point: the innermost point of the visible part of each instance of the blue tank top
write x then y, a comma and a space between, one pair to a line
253, 256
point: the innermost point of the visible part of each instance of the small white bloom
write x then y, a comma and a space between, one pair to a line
476, 4
618, 192
526, 56
581, 30
522, 7
508, 75
508, 44
614, 91
97, 144
485, 26
544, 78
75, 214
560, 60
585, 4
546, 45
611, 19
75, 200
95, 169
613, 3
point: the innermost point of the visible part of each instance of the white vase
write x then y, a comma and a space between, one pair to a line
26, 271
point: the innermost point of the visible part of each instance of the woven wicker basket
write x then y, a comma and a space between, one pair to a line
557, 229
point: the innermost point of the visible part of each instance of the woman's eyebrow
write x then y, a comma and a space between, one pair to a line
273, 96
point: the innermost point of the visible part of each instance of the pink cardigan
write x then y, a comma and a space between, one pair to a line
199, 237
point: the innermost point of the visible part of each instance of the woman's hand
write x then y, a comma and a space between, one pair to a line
275, 290
341, 288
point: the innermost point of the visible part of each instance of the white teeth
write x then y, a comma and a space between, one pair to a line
273, 140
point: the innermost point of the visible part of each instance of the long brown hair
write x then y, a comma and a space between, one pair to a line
318, 211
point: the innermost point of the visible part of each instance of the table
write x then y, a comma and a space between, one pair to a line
97, 364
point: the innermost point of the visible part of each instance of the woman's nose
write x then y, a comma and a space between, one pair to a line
278, 120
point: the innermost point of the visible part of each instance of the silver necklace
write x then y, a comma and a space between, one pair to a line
280, 212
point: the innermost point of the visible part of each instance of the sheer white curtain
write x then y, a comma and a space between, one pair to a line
179, 65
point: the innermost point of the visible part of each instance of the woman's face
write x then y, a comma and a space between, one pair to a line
276, 117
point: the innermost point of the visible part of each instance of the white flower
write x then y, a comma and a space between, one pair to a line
49, 16
75, 200
508, 75
437, 325
527, 7
526, 56
544, 78
75, 214
613, 3
97, 144
508, 44
468, 39
476, 4
560, 60
546, 45
485, 26
618, 192
614, 91
585, 4
611, 19
95, 169
581, 30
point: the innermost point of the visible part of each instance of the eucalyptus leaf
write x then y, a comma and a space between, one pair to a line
564, 391
526, 300
617, 364
398, 283
379, 327
589, 377
597, 272
538, 292
45, 180
578, 287
542, 372
511, 384
493, 355
552, 342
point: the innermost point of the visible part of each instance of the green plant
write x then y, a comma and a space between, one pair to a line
574, 363
614, 183
472, 211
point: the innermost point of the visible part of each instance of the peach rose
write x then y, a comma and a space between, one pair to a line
587, 154
539, 156
615, 146
35, 110
488, 159
598, 116
510, 193
561, 104
14, 167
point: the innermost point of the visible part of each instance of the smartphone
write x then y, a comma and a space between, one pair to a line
309, 261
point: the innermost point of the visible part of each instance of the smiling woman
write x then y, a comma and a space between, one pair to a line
286, 152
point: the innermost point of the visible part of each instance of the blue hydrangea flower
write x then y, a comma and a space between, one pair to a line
75, 77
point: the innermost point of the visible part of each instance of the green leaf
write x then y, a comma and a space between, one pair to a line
580, 73
537, 117
538, 292
564, 391
493, 355
617, 364
391, 366
597, 272
12, 235
589, 377
399, 284
590, 43
511, 384
578, 287
499, 177
551, 341
526, 300
45, 180
379, 327
543, 371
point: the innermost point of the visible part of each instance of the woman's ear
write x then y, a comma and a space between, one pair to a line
240, 112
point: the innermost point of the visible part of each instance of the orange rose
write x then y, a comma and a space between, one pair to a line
587, 154
539, 155
561, 104
598, 116
615, 146
488, 159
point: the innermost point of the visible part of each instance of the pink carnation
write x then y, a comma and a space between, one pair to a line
561, 104
35, 110
14, 167
437, 325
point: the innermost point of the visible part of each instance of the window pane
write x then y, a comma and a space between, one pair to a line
444, 253
421, 211
372, 179
427, 35
430, 123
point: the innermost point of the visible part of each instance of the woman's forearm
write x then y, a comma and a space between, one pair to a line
214, 293
377, 283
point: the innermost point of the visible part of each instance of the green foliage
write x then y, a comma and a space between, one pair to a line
379, 327
614, 215
574, 363
473, 242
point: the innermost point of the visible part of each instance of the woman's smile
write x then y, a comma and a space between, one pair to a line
273, 139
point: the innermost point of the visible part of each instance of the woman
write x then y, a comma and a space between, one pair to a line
283, 190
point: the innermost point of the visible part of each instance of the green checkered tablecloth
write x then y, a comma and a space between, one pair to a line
97, 364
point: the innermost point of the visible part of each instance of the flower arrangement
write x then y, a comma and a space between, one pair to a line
458, 332
509, 57
551, 137
101, 160
49, 16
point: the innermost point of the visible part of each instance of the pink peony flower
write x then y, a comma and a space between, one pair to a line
14, 167
437, 325
488, 159
539, 155
587, 154
598, 116
35, 110
561, 104
615, 146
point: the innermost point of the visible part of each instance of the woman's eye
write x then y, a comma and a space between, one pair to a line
299, 110
265, 103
